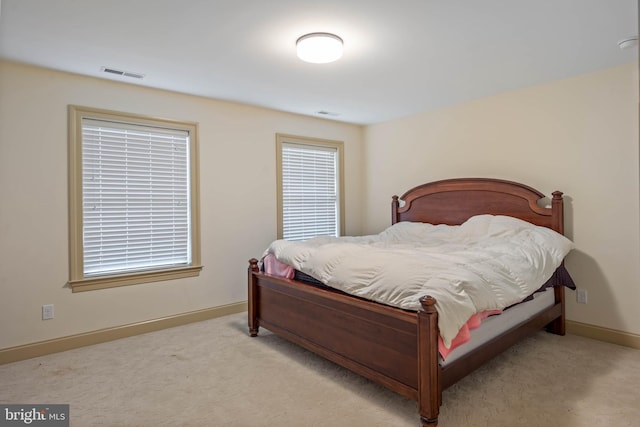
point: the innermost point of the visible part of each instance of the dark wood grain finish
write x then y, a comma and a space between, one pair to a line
454, 201
394, 347
430, 393
254, 300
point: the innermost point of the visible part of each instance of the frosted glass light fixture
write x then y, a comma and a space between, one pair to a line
319, 48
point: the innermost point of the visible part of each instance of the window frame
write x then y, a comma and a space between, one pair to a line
78, 282
283, 139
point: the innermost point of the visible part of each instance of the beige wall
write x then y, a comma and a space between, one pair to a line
238, 200
578, 135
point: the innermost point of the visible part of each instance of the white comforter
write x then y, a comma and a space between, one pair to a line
487, 263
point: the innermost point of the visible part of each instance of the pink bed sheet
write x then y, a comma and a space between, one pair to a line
276, 268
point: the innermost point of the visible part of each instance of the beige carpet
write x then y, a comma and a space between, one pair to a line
213, 374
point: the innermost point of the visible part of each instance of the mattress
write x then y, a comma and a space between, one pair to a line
495, 325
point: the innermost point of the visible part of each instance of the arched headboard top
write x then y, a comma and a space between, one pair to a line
453, 201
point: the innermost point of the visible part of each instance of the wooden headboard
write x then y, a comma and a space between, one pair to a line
453, 201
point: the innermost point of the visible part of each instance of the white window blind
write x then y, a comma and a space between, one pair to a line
135, 197
310, 202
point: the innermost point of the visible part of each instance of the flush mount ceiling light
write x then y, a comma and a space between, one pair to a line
319, 48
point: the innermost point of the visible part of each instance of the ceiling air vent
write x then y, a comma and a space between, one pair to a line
122, 73
328, 113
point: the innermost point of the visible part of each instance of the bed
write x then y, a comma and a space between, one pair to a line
399, 348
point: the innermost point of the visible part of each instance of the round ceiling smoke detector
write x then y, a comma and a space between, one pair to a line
628, 43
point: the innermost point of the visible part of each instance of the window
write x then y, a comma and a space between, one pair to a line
133, 199
310, 187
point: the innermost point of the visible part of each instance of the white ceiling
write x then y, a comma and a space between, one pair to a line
401, 56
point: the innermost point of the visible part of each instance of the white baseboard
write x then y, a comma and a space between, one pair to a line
603, 334
42, 348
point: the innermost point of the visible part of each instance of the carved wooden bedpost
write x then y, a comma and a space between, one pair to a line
429, 392
557, 208
395, 204
253, 295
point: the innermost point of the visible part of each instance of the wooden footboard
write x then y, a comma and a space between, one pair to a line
393, 347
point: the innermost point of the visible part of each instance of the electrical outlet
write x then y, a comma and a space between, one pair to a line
581, 296
47, 312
